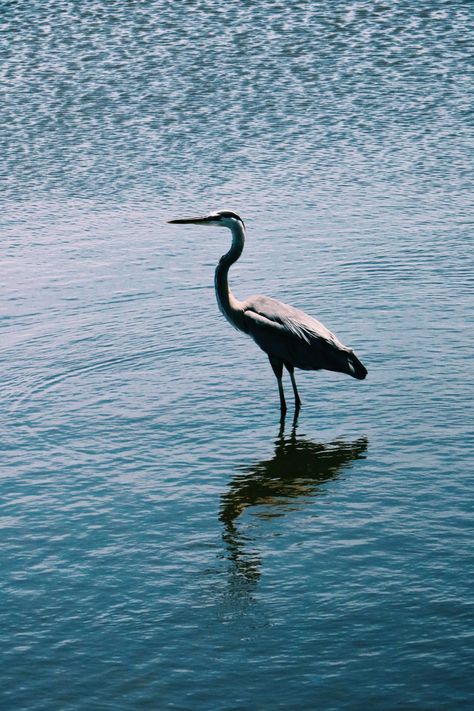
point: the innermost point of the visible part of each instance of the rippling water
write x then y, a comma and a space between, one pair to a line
165, 544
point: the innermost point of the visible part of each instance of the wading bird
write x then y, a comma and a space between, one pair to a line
287, 335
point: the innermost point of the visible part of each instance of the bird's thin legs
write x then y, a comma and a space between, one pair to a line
281, 431
277, 367
294, 424
282, 398
291, 371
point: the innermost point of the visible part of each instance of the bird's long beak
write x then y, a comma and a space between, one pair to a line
191, 221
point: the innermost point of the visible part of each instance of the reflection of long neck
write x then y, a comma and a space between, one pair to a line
228, 304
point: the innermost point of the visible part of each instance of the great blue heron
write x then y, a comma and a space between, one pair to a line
287, 335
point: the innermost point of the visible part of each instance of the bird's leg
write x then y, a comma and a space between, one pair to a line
294, 425
277, 367
291, 371
282, 399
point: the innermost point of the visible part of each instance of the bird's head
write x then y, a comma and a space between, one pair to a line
221, 218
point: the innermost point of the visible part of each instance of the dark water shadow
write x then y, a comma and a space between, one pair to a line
289, 481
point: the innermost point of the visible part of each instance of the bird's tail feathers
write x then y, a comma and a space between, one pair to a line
355, 367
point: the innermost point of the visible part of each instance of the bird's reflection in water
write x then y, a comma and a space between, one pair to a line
286, 482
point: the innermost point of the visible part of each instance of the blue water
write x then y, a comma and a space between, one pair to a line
165, 544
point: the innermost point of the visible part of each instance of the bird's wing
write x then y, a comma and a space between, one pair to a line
265, 310
295, 338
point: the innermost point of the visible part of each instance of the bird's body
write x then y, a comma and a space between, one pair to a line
287, 335
301, 340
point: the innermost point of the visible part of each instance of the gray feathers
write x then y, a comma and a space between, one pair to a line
287, 335
297, 339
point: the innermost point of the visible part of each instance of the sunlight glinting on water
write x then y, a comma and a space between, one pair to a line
166, 543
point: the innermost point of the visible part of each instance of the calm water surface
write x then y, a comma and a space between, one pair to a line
164, 543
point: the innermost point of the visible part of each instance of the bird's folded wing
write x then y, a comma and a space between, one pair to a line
264, 311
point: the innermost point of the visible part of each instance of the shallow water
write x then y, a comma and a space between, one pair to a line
165, 544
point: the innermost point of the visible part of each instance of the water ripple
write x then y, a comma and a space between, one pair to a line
162, 539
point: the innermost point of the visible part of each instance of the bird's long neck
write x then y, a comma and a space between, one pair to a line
228, 304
